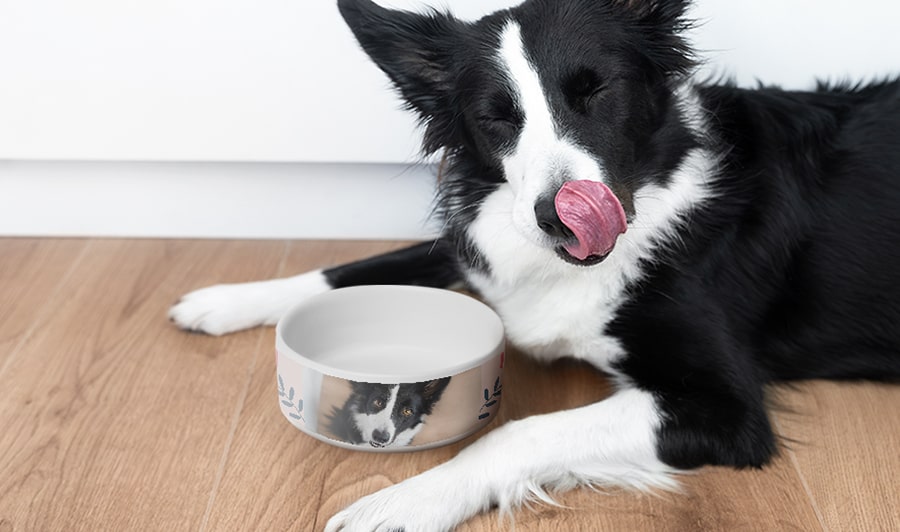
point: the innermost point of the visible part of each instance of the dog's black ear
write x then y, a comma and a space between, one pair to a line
663, 23
359, 389
414, 50
434, 389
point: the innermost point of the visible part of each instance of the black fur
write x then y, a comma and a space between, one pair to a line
793, 272
424, 264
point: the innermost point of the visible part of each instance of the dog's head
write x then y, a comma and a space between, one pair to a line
568, 104
388, 415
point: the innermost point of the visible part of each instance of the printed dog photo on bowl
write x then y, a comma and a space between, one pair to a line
385, 415
407, 416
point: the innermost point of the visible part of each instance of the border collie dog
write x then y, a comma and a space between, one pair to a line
385, 415
693, 239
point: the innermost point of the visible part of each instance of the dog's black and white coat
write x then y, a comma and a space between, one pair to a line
385, 415
762, 241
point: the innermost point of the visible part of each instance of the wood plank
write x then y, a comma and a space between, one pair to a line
31, 272
845, 440
113, 419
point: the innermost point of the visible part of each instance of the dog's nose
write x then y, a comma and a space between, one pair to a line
380, 436
548, 220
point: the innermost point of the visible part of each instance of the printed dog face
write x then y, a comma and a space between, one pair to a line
386, 415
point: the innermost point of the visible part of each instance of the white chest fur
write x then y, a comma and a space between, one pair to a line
555, 318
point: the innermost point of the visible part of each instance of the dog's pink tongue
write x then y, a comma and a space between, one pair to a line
593, 213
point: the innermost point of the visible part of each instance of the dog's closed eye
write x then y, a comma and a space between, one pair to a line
498, 114
583, 87
497, 121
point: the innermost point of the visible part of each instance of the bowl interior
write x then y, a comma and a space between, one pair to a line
391, 333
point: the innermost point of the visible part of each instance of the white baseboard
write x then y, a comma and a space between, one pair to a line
216, 200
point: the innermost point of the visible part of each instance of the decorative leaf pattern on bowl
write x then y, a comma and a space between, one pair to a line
490, 399
287, 399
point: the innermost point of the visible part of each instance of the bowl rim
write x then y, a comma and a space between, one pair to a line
284, 350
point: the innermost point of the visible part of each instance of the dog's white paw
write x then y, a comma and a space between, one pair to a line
226, 308
393, 509
221, 309
431, 502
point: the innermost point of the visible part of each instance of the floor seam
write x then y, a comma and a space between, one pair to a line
809, 495
236, 417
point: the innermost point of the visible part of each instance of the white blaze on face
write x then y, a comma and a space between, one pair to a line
543, 158
379, 421
405, 438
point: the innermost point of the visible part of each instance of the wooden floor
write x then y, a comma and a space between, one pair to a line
111, 419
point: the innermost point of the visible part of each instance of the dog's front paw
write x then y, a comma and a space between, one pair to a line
420, 504
220, 309
389, 511
227, 308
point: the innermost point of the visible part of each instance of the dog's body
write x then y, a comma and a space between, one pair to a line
385, 415
739, 237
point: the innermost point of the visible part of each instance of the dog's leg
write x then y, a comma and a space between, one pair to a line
227, 308
610, 443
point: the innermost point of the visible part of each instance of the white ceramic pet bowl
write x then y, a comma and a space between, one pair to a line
390, 368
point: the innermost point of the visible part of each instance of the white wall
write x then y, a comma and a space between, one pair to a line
195, 80
792, 42
198, 80
256, 82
